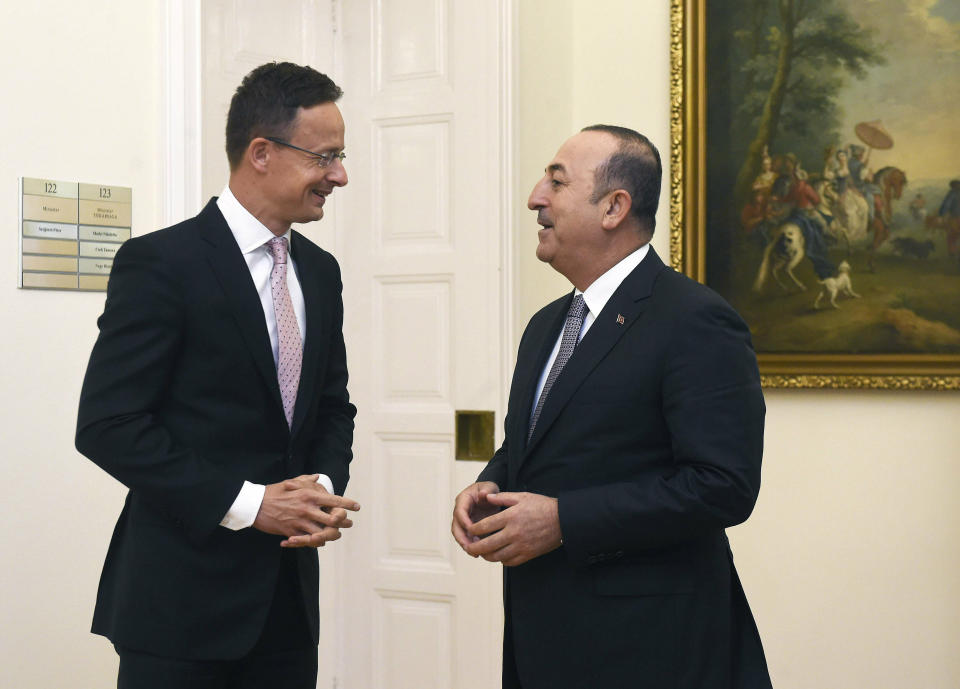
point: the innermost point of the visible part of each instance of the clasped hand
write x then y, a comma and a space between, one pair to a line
511, 528
302, 510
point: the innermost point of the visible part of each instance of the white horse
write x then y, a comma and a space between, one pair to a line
850, 212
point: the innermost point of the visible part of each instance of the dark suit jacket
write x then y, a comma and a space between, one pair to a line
181, 404
651, 440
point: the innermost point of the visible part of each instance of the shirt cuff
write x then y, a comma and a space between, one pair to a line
325, 481
243, 511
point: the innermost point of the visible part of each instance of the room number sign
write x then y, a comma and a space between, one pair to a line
70, 232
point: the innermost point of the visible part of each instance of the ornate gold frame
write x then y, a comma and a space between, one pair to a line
687, 227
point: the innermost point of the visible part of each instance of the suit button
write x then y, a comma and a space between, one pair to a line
618, 554
591, 559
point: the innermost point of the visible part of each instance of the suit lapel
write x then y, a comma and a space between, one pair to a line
315, 308
541, 345
627, 303
230, 268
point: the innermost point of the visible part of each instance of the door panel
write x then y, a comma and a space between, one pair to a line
424, 328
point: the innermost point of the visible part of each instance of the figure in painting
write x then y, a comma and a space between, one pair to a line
950, 217
862, 178
835, 173
918, 208
758, 217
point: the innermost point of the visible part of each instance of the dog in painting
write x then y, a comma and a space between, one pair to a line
836, 286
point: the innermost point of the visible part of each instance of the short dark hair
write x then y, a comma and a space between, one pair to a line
267, 102
634, 167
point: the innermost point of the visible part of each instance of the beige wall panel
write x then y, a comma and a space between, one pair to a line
105, 213
49, 187
61, 247
106, 192
49, 281
55, 264
49, 208
93, 282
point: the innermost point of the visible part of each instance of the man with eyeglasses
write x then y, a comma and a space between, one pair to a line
217, 393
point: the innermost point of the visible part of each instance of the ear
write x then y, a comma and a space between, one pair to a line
258, 154
616, 207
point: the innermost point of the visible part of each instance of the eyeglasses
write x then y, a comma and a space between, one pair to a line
321, 159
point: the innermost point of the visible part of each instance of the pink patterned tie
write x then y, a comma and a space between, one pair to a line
290, 355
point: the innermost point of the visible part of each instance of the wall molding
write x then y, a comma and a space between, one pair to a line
508, 69
180, 115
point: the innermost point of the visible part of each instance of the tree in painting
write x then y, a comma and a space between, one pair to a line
796, 48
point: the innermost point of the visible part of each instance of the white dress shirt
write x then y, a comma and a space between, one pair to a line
252, 237
595, 297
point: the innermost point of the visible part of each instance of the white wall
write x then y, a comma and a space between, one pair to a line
579, 64
850, 559
80, 103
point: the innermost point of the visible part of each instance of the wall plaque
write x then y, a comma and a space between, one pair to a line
70, 232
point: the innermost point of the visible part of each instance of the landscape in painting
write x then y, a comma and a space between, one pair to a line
833, 173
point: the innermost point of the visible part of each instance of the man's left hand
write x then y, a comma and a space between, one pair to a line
339, 519
528, 527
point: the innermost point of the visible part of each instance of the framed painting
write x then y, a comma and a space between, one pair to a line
815, 182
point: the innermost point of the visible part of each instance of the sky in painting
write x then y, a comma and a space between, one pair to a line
915, 95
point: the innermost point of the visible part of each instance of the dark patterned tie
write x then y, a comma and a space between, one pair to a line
290, 346
571, 333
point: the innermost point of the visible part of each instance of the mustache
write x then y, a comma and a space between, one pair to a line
542, 219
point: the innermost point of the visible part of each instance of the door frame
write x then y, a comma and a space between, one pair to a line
180, 109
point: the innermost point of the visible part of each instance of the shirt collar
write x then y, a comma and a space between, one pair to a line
600, 290
250, 233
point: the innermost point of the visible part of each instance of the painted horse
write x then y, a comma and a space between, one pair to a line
891, 181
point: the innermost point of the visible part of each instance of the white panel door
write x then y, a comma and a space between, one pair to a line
420, 233
424, 241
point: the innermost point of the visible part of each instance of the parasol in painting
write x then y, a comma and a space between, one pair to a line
874, 134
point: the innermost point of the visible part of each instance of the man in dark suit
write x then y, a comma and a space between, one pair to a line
633, 437
217, 393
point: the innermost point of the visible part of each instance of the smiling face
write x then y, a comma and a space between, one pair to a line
571, 231
294, 187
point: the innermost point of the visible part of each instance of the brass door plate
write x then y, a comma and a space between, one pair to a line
474, 435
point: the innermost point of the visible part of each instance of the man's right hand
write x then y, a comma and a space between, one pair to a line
470, 507
302, 510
